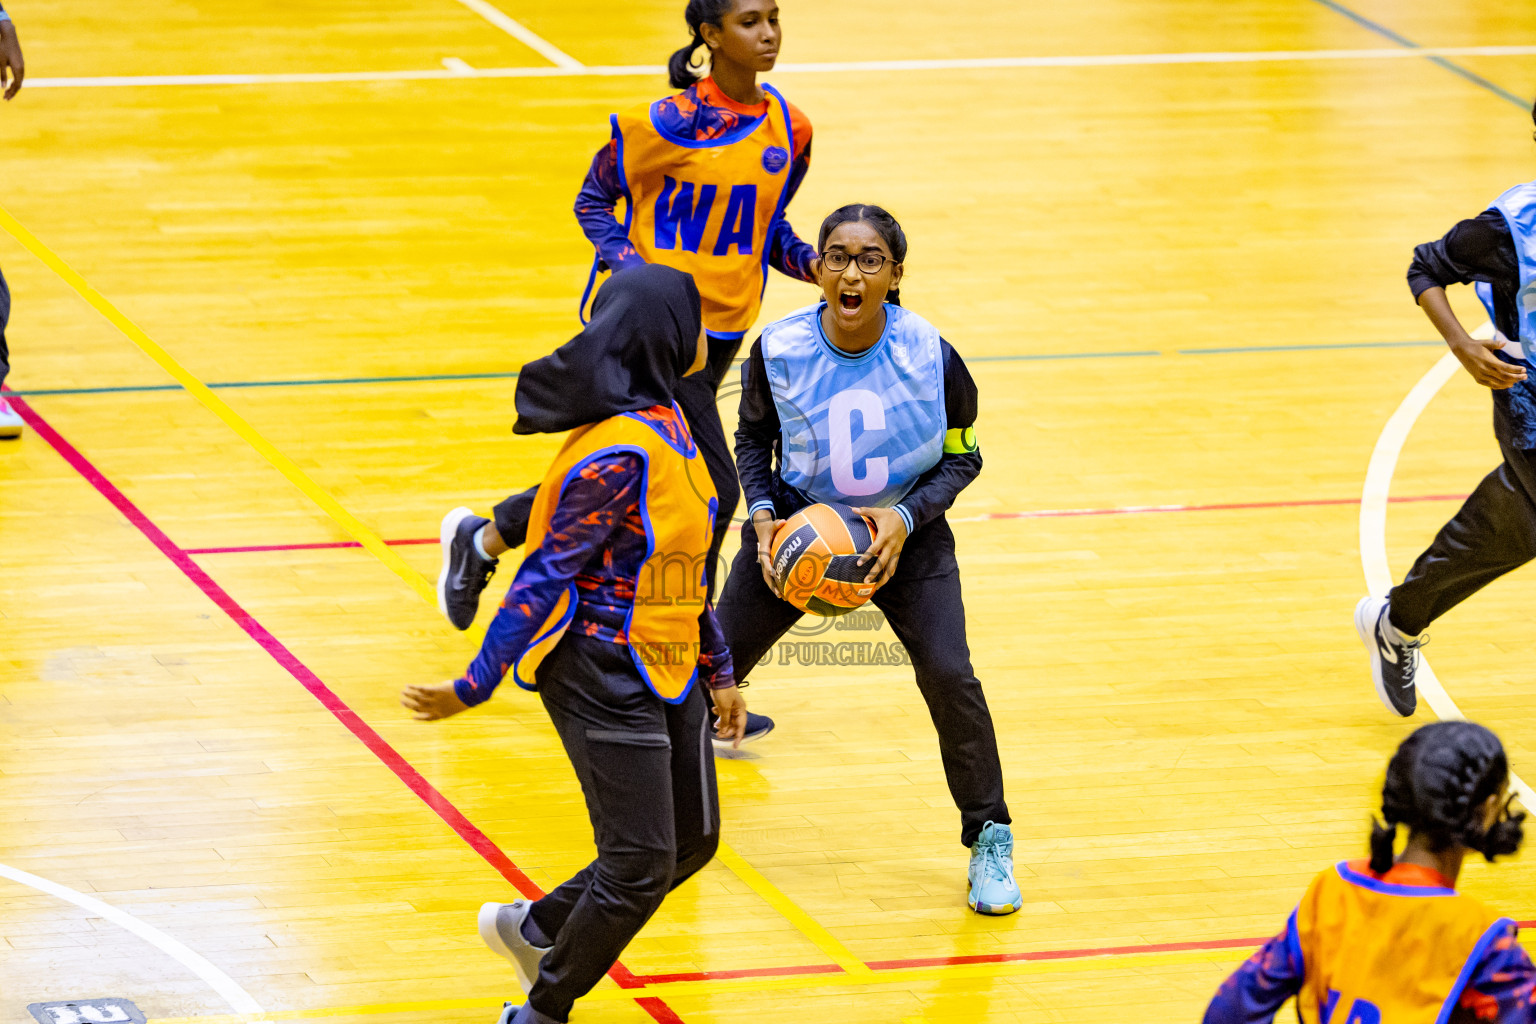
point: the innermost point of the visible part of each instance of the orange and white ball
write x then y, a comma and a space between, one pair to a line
814, 558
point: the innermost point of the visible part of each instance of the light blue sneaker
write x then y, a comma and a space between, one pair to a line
993, 890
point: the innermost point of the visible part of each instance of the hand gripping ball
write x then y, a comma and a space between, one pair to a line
815, 559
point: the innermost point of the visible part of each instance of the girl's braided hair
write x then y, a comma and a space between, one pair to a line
1436, 785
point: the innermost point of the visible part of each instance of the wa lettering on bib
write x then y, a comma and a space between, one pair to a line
706, 208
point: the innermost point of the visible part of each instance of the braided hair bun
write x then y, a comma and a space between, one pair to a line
1437, 784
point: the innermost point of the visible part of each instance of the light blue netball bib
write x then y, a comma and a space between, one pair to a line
856, 429
1518, 206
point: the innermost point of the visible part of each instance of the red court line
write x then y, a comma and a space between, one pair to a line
1049, 513
392, 759
1133, 510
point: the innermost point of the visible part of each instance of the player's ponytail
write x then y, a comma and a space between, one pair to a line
1437, 784
681, 68
890, 231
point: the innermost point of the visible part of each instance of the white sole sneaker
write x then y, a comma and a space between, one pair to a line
527, 973
1367, 615
445, 535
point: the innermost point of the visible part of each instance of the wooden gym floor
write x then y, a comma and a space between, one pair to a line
1179, 282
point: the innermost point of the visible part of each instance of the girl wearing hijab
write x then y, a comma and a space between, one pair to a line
589, 624
705, 175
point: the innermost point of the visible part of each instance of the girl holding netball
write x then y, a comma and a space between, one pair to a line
858, 401
1390, 939
705, 176
626, 497
1494, 531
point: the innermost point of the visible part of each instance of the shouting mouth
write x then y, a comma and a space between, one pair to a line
850, 301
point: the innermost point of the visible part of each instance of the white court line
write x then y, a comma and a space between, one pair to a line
1373, 523
238, 998
575, 70
545, 49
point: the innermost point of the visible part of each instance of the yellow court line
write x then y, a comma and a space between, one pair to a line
701, 989
807, 925
819, 936
284, 465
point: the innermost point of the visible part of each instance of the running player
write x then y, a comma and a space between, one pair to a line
705, 176
1391, 939
858, 352
12, 70
1494, 532
624, 498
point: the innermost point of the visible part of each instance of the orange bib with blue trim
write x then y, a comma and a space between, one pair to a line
707, 207
677, 511
1375, 952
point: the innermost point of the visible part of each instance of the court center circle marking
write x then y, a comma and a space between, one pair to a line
238, 998
1373, 523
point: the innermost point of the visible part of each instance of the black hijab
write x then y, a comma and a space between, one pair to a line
639, 344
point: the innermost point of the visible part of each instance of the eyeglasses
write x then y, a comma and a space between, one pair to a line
869, 262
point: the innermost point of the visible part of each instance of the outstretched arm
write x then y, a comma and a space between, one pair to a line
593, 504
1257, 990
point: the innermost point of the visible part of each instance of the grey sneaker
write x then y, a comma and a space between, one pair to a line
464, 573
1393, 659
501, 929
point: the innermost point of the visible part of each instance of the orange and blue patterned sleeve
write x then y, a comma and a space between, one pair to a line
597, 498
595, 203
1502, 988
1256, 990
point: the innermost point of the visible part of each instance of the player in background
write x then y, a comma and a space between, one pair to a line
1494, 531
624, 498
705, 176
1390, 939
858, 351
12, 70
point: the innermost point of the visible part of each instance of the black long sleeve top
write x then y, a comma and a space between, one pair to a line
758, 445
1482, 249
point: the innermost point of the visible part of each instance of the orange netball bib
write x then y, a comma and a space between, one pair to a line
706, 208
1382, 953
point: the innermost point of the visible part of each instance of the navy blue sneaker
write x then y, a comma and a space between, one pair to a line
464, 573
758, 726
1394, 659
993, 890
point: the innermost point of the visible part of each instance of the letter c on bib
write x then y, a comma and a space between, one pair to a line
840, 421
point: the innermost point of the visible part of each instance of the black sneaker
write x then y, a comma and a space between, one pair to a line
465, 573
1393, 659
758, 726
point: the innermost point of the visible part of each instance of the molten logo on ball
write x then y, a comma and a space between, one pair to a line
815, 558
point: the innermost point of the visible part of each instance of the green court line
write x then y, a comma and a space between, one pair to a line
130, 389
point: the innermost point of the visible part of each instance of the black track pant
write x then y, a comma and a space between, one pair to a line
5, 317
926, 610
648, 775
1492, 533
696, 397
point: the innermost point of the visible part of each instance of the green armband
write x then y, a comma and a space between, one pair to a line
960, 441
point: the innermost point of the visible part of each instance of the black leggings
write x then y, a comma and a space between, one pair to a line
1494, 532
648, 775
926, 610
5, 317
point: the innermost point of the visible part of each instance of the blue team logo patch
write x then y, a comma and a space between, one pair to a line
775, 159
